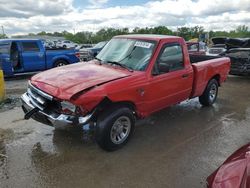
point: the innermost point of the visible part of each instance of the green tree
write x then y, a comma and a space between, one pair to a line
42, 33
3, 36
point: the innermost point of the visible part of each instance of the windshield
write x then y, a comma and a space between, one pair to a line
132, 53
100, 45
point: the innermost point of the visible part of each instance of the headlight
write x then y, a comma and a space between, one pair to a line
68, 107
90, 53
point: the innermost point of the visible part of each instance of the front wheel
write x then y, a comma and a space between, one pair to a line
114, 128
209, 96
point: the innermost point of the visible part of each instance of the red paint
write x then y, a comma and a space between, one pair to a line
234, 172
147, 92
68, 80
205, 70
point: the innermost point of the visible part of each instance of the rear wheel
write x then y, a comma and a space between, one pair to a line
60, 63
209, 96
114, 128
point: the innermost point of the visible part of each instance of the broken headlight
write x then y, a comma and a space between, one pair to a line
68, 107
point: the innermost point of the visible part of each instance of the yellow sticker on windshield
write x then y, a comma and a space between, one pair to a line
143, 44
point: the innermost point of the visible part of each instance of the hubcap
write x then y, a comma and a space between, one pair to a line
213, 92
120, 130
60, 64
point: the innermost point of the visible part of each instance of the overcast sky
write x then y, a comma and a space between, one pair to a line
26, 16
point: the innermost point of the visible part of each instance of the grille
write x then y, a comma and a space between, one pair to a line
38, 98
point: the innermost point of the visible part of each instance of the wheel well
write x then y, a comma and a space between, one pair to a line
61, 59
128, 104
107, 103
217, 78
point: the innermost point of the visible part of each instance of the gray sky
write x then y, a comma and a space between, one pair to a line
26, 16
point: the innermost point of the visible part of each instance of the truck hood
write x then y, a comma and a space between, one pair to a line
64, 82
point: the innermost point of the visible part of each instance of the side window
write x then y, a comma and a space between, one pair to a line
170, 59
30, 47
193, 47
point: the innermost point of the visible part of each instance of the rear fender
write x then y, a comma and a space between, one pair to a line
62, 57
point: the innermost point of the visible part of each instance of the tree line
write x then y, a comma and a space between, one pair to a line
106, 34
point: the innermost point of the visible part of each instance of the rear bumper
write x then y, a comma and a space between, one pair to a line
60, 121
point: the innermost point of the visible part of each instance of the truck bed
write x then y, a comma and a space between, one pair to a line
205, 68
201, 58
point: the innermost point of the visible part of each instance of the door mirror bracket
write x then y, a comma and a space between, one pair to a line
163, 68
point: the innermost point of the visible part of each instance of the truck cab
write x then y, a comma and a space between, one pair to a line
29, 55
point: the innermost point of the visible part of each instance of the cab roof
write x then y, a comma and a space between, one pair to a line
148, 36
18, 39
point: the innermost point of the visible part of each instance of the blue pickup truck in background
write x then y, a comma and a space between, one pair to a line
19, 56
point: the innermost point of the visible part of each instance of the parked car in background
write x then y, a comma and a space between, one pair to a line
87, 54
216, 50
49, 44
82, 46
20, 56
237, 49
234, 172
131, 78
196, 48
66, 44
240, 61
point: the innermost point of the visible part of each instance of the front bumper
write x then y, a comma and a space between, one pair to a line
60, 121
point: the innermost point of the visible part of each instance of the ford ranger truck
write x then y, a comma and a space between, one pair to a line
132, 77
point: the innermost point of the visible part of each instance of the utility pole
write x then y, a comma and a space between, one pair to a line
3, 30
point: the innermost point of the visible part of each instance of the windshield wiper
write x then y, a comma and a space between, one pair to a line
121, 65
99, 60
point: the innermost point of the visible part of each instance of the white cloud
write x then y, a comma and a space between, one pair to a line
29, 8
97, 3
58, 15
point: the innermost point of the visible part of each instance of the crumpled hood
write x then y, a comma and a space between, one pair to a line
64, 82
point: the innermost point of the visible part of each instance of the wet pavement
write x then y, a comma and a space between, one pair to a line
177, 147
17, 85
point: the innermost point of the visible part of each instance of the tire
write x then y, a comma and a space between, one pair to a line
60, 63
209, 96
110, 126
64, 46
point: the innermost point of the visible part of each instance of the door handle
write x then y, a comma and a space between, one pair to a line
185, 75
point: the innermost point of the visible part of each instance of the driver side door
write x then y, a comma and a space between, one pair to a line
171, 80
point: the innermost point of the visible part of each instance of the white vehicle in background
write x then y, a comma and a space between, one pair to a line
66, 44
49, 44
83, 46
216, 50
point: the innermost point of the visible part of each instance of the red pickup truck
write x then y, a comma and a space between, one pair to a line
131, 78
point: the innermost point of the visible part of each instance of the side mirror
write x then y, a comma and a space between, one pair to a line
163, 68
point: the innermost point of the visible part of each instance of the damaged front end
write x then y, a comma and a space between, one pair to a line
44, 108
240, 61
